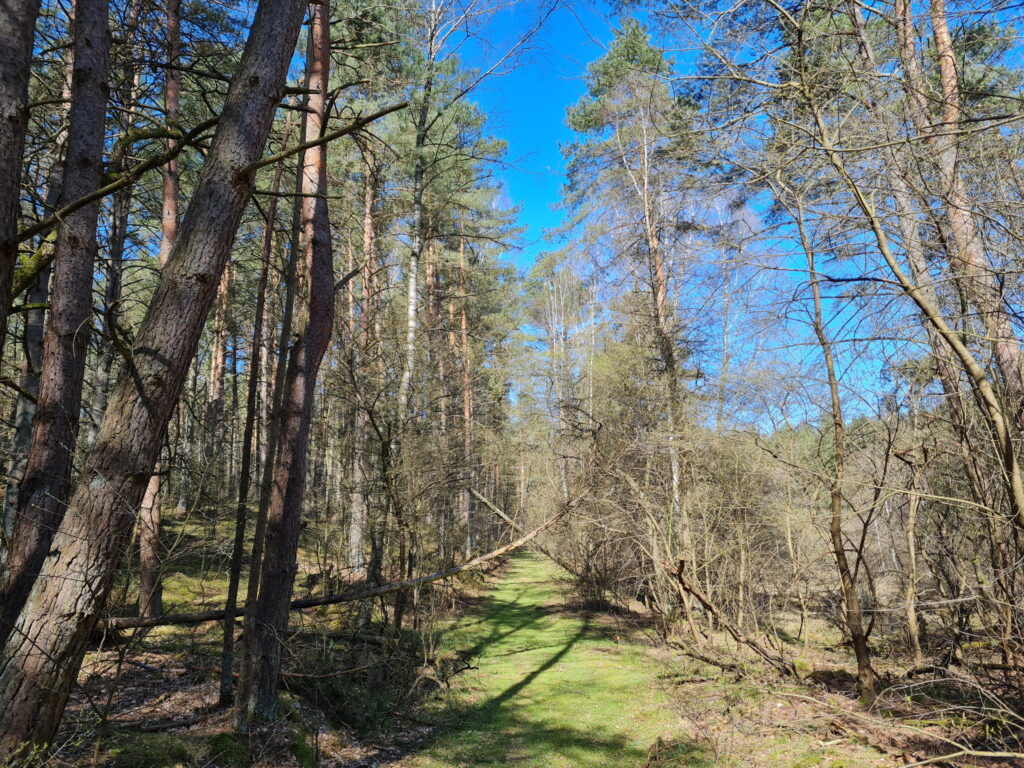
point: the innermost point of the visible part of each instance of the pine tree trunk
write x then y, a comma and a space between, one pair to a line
32, 336
263, 662
361, 420
150, 512
17, 33
465, 502
45, 486
248, 432
42, 657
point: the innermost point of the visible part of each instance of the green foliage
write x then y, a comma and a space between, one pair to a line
630, 58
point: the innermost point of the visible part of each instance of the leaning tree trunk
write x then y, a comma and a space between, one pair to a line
259, 675
979, 282
42, 656
45, 485
17, 33
150, 513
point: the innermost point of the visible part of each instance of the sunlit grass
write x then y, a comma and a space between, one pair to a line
553, 689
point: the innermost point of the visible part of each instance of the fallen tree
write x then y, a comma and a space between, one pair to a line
517, 527
201, 617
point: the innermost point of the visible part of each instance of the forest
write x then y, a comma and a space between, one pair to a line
326, 441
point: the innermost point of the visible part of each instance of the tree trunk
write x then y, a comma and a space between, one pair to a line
465, 503
151, 593
44, 488
968, 261
17, 33
42, 656
248, 431
913, 502
25, 407
412, 276
851, 598
32, 338
284, 519
361, 419
213, 438
150, 513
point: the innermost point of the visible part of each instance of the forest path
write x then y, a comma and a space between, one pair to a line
555, 687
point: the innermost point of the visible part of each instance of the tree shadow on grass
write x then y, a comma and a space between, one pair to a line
520, 726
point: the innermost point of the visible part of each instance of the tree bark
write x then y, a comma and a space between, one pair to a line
44, 488
17, 34
361, 420
32, 339
263, 662
465, 504
968, 260
42, 656
151, 511
412, 275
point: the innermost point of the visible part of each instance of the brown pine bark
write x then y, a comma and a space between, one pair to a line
214, 432
45, 485
259, 674
17, 33
42, 656
32, 338
150, 513
172, 106
968, 260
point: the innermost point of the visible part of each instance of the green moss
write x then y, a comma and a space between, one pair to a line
145, 750
226, 751
302, 749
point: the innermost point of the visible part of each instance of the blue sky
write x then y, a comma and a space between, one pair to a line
526, 107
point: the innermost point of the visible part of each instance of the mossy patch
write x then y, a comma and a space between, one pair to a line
146, 750
302, 749
225, 750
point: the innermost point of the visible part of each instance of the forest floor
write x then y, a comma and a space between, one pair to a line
557, 686
518, 673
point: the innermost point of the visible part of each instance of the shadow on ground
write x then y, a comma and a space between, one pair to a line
551, 689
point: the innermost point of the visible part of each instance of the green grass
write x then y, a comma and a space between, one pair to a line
553, 689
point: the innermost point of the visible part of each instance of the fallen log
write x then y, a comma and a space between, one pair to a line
202, 617
517, 527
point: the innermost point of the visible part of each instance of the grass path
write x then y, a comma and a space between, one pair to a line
554, 688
